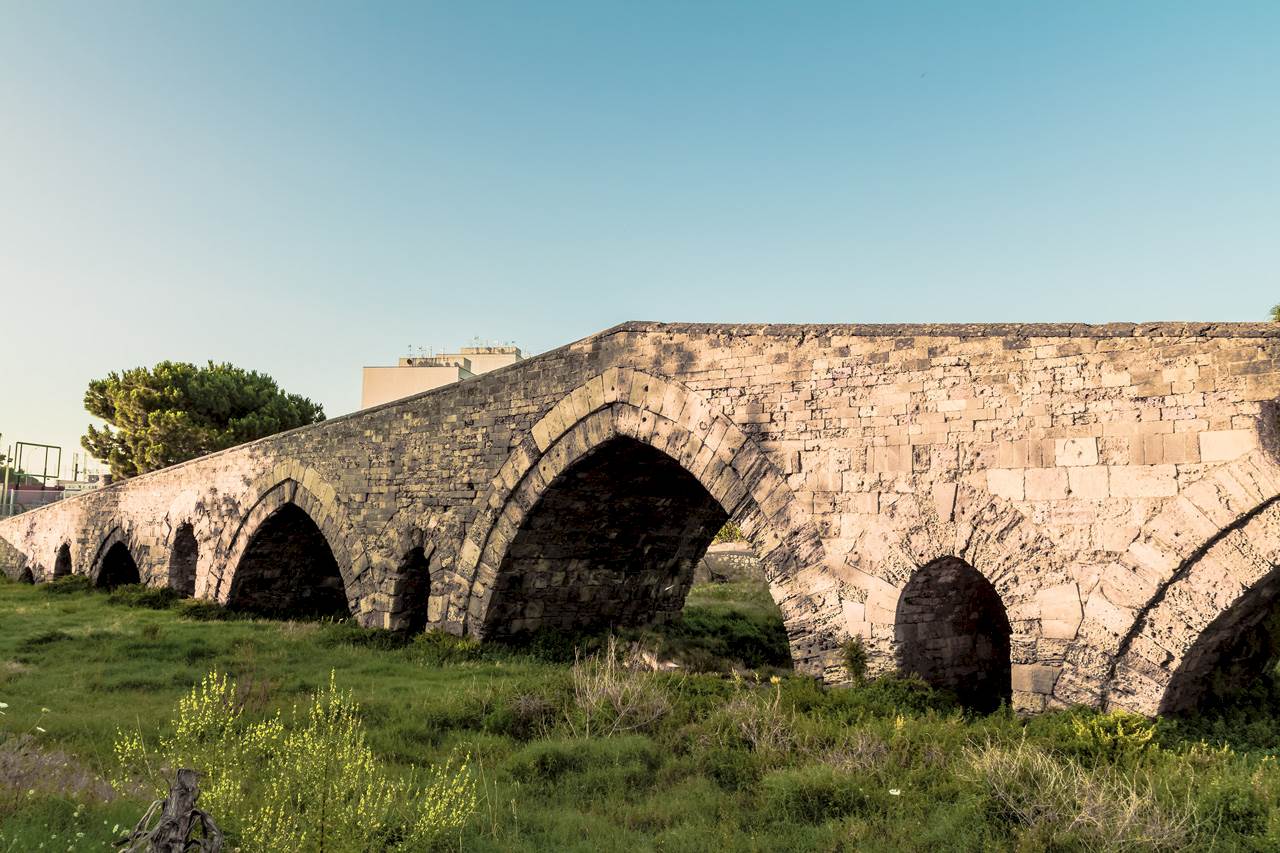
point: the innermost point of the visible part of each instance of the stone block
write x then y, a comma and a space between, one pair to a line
1045, 484
1143, 481
1076, 451
1006, 483
1090, 484
1060, 611
1225, 445
1034, 678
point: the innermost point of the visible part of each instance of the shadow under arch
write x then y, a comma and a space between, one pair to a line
415, 593
612, 541
951, 629
1231, 652
288, 570
1212, 628
62, 561
118, 568
115, 564
291, 554
691, 467
184, 555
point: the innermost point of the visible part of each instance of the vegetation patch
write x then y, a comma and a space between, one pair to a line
578, 746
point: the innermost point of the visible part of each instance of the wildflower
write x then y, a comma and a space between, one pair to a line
773, 679
895, 792
4, 705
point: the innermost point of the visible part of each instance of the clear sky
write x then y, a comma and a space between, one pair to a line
306, 188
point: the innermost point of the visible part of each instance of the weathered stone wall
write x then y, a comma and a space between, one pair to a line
1114, 484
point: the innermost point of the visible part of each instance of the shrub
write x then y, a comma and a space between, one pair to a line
756, 719
203, 610
732, 768
523, 717
548, 760
1233, 804
439, 648
890, 695
1113, 737
811, 794
611, 697
1050, 798
304, 782
854, 655
350, 633
68, 585
141, 595
730, 532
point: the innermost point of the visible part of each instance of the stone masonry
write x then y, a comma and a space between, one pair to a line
1113, 487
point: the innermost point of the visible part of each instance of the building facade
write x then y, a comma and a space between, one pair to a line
415, 374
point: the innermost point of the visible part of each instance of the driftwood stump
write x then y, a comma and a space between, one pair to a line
178, 816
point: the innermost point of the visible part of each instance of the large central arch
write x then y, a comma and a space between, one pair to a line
612, 541
636, 450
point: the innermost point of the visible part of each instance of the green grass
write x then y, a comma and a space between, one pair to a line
715, 762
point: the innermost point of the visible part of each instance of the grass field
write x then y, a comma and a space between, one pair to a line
568, 758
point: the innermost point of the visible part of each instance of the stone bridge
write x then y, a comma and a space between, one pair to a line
1050, 514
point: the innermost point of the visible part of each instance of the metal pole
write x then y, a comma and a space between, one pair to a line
8, 463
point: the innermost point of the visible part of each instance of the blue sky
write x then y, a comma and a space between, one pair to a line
306, 188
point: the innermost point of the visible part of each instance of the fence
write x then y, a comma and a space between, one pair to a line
14, 501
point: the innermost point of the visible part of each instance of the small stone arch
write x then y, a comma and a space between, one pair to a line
410, 571
11, 559
665, 418
414, 601
62, 565
116, 561
26, 576
952, 630
184, 556
951, 522
310, 498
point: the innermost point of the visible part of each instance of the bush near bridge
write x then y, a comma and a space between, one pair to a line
594, 755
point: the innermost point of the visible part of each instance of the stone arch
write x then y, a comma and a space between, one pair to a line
62, 561
1198, 576
184, 556
297, 505
958, 522
951, 629
11, 559
26, 576
667, 420
115, 563
415, 593
410, 570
